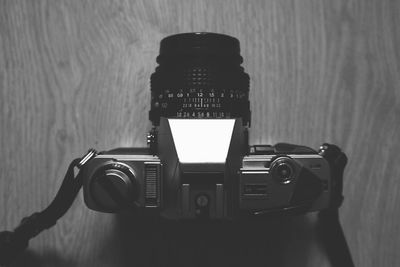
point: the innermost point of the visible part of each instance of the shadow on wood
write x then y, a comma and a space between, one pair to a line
163, 243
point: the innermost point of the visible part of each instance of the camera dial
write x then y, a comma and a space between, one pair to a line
113, 186
282, 170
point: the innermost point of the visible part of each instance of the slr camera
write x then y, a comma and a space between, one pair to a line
198, 163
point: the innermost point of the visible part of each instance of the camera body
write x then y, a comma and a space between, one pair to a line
198, 163
203, 168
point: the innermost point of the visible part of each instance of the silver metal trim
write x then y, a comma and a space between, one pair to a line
129, 157
85, 159
253, 171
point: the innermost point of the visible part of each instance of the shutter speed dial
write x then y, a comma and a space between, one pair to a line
113, 186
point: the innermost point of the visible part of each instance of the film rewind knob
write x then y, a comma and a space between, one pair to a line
113, 187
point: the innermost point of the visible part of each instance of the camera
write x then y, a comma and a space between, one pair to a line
198, 163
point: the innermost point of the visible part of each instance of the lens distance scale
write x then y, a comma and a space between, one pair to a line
200, 103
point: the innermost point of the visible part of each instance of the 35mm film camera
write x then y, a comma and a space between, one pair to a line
198, 163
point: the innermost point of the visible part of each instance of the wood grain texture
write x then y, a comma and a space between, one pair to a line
75, 74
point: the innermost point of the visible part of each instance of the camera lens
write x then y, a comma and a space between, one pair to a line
199, 76
282, 170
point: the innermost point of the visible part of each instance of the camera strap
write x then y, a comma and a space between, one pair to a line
331, 234
12, 243
329, 229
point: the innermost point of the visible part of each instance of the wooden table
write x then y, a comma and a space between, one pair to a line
75, 74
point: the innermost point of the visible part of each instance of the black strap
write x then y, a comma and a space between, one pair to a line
15, 242
329, 228
331, 234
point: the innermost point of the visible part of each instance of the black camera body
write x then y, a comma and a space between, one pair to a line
231, 181
198, 163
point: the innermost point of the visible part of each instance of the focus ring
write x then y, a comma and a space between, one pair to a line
199, 77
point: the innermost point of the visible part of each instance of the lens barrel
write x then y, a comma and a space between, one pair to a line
199, 76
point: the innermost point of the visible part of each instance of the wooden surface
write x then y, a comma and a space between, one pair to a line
75, 74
